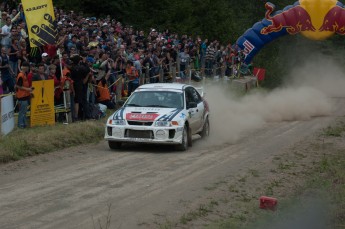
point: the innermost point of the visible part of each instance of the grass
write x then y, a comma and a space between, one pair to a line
22, 143
335, 131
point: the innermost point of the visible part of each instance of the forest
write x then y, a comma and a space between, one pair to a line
224, 20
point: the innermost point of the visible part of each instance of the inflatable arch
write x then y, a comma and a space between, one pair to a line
314, 19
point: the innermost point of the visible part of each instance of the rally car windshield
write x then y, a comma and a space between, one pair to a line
163, 99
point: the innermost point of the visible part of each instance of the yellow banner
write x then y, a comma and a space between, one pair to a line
40, 20
42, 104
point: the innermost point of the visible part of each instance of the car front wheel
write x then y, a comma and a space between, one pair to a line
184, 144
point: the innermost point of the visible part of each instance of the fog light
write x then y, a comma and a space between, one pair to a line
160, 134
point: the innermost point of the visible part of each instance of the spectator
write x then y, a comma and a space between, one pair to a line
23, 94
31, 73
184, 61
103, 94
6, 72
209, 59
6, 33
57, 86
40, 75
132, 76
3, 19
13, 55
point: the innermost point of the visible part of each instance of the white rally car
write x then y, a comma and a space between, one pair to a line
160, 114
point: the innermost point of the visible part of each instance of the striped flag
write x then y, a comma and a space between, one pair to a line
40, 20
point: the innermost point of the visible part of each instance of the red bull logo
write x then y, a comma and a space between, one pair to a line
334, 21
315, 19
294, 20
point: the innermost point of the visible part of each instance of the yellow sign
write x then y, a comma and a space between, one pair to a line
42, 104
40, 20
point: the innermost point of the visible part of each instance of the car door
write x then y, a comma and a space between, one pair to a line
195, 114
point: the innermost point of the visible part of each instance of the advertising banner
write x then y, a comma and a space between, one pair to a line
7, 114
40, 20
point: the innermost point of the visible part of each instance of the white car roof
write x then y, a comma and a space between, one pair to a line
160, 86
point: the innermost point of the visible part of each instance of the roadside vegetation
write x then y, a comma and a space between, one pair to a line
22, 143
308, 180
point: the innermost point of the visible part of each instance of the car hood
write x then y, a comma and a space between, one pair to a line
146, 114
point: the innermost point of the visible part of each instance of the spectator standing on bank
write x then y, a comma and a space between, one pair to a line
23, 94
133, 77
6, 33
203, 48
57, 86
6, 72
103, 94
40, 75
210, 59
13, 55
184, 61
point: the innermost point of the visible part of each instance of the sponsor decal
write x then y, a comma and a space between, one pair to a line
141, 117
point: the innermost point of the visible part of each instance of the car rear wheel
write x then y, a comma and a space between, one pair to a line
114, 145
206, 129
184, 144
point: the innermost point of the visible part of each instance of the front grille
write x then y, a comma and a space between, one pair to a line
135, 123
139, 134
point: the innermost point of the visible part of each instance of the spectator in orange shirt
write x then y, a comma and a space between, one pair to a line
103, 94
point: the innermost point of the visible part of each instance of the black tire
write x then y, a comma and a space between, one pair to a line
206, 129
114, 145
185, 139
190, 142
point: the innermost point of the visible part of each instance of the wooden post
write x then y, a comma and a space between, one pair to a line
178, 66
223, 68
161, 74
119, 89
147, 73
188, 72
141, 78
173, 71
214, 70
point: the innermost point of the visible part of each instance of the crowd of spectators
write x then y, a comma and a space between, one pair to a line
91, 54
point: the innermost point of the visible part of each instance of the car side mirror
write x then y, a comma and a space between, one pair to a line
192, 105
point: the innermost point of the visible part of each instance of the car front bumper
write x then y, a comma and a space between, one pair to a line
144, 134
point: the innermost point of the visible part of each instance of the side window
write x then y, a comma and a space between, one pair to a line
196, 96
189, 95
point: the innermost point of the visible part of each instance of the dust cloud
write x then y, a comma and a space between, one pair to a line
306, 93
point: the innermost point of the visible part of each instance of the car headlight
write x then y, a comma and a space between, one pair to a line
163, 123
117, 122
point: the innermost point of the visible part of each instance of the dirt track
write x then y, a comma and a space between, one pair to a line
145, 185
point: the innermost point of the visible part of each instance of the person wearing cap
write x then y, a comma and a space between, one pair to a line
3, 19
46, 62
23, 94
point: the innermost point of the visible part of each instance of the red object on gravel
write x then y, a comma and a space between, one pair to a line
268, 203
